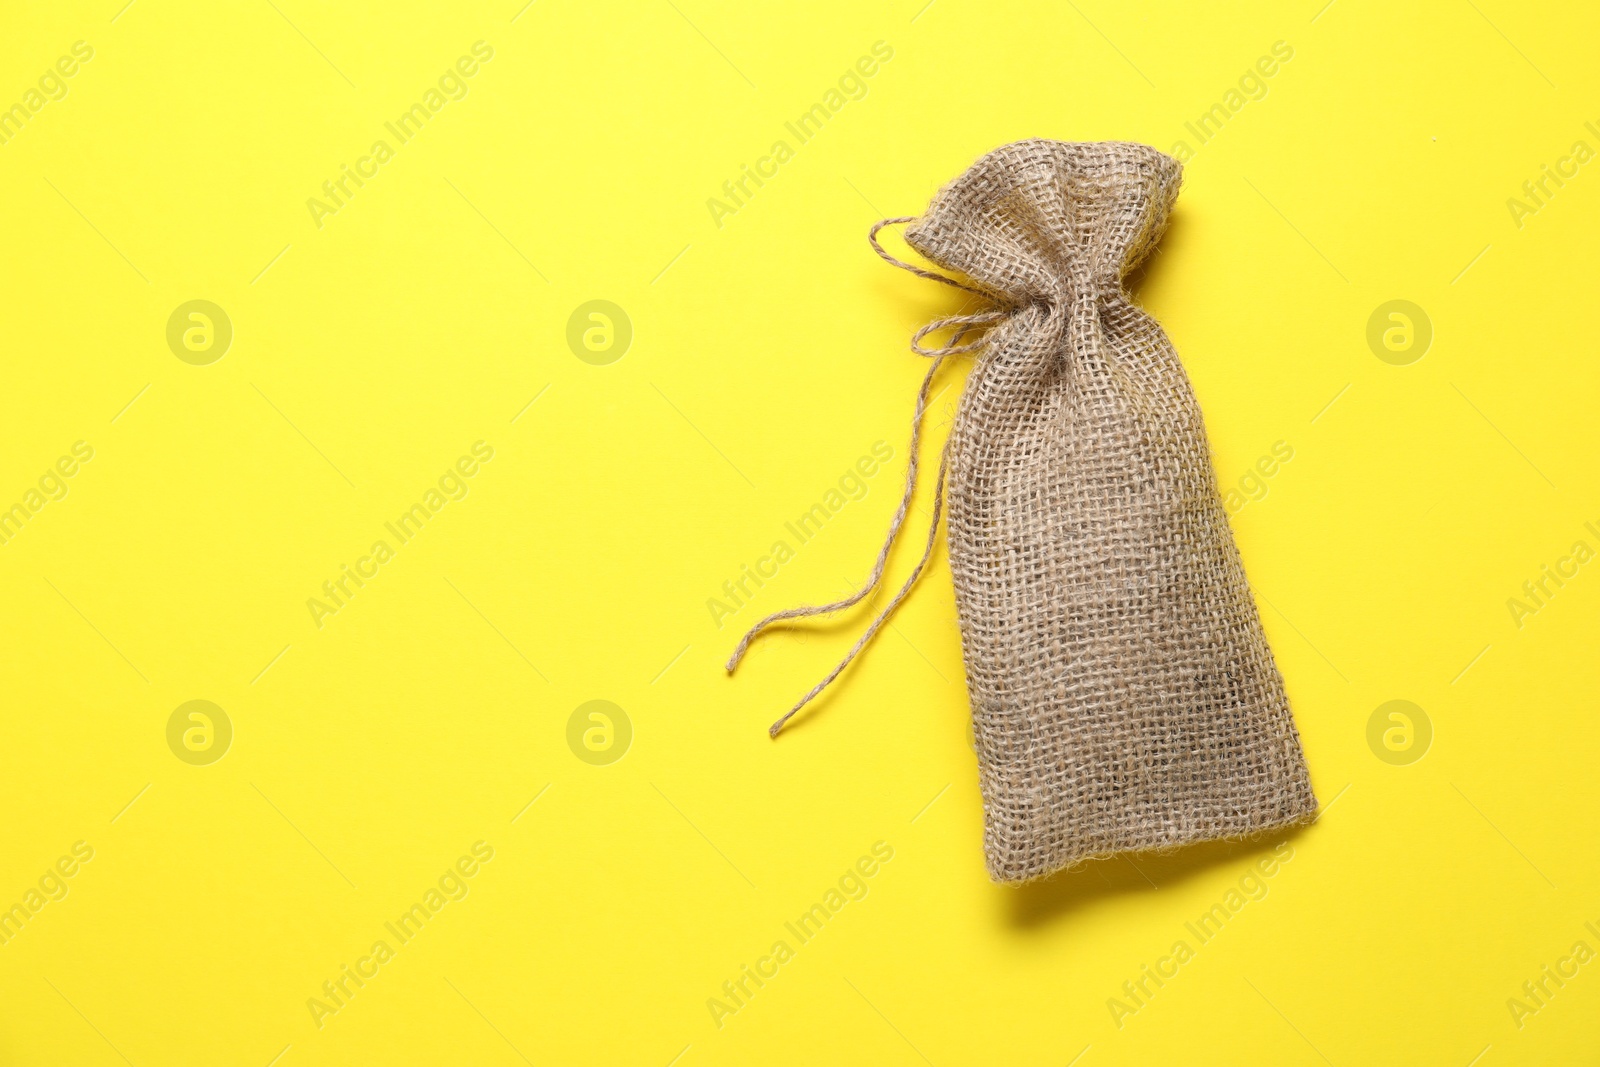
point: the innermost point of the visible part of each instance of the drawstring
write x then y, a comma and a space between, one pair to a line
872, 238
963, 324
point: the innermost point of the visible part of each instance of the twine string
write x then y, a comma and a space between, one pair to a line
962, 324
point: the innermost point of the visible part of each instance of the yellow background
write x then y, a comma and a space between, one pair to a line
768, 355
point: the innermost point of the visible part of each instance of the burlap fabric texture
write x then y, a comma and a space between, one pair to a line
1123, 695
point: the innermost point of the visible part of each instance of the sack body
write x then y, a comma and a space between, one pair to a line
1123, 694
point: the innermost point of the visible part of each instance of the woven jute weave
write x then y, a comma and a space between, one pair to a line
1123, 694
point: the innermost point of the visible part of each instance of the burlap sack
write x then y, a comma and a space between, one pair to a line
1123, 694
